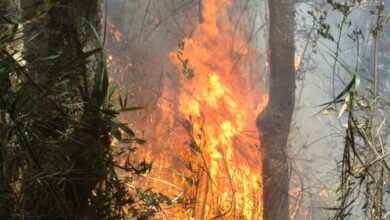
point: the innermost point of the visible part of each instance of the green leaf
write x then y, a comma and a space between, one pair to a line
353, 73
111, 91
100, 89
348, 91
165, 198
116, 133
110, 112
123, 127
88, 54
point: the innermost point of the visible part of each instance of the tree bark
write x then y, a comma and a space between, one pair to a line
274, 122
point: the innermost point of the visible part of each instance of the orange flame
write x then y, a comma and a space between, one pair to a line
217, 108
206, 148
297, 61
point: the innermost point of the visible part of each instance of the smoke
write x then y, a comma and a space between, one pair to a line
142, 34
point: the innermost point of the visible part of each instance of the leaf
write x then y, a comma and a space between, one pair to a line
165, 198
133, 108
342, 110
100, 88
88, 54
353, 73
344, 106
329, 111
110, 112
111, 91
116, 133
123, 102
349, 91
123, 127
140, 141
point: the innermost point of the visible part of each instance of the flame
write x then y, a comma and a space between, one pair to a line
205, 149
117, 35
297, 61
109, 59
217, 108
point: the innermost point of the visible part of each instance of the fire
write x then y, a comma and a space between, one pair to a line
205, 149
217, 108
115, 32
118, 36
297, 61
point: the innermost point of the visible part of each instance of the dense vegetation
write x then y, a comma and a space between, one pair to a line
362, 103
58, 119
64, 154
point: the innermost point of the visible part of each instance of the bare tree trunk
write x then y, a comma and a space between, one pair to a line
274, 121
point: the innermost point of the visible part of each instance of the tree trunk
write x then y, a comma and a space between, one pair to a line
63, 34
274, 121
74, 38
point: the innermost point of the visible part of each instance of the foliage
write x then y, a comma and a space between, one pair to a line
364, 170
59, 150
